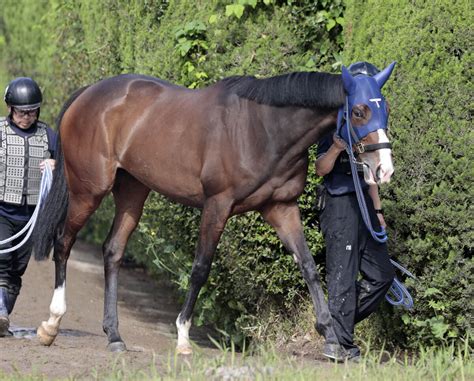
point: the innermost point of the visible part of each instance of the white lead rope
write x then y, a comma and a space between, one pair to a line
46, 181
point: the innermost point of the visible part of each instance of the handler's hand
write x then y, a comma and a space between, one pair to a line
51, 162
339, 143
382, 220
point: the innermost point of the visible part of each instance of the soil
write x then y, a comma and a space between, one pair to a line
147, 314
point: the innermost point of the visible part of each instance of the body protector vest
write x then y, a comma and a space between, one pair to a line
20, 157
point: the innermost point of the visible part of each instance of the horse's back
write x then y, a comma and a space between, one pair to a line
147, 126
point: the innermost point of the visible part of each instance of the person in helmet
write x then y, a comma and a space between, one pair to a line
350, 249
27, 144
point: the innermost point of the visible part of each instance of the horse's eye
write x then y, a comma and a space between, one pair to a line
360, 114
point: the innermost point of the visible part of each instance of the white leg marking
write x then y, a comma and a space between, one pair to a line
48, 330
57, 307
184, 346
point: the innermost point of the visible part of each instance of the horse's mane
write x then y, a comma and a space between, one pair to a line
301, 89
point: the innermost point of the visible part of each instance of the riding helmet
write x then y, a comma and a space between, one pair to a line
364, 68
23, 93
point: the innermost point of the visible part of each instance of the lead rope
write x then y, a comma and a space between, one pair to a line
398, 294
45, 186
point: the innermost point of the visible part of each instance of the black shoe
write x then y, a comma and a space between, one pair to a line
353, 355
11, 302
334, 352
355, 359
338, 353
4, 321
4, 325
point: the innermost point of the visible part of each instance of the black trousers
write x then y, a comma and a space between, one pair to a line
13, 265
358, 268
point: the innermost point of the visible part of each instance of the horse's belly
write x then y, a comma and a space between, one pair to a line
166, 163
272, 191
179, 187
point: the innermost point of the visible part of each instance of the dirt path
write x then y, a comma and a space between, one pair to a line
147, 312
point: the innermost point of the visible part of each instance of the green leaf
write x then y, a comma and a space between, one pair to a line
252, 3
234, 9
330, 24
437, 305
420, 323
431, 291
184, 47
321, 16
310, 64
212, 19
406, 319
439, 329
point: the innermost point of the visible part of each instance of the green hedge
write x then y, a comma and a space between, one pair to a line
428, 204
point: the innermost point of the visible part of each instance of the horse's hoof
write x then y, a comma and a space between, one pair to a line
184, 350
46, 334
117, 346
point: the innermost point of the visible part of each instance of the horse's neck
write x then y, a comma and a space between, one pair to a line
301, 128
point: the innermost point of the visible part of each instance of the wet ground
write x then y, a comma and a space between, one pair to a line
147, 312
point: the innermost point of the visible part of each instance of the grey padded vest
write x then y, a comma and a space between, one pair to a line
20, 157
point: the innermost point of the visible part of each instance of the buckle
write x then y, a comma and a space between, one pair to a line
360, 147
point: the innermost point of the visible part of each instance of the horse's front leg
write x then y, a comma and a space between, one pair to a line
48, 330
286, 220
214, 216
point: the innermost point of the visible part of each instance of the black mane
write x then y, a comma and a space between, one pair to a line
301, 89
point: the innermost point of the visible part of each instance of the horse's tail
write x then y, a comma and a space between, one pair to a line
53, 212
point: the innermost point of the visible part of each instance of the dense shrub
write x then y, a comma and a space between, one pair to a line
429, 202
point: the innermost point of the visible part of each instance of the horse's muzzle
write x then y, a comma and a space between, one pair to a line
383, 174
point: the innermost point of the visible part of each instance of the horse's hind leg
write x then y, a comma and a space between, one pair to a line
286, 220
214, 216
79, 210
129, 196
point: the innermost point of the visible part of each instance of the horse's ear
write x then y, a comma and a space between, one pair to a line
348, 80
382, 77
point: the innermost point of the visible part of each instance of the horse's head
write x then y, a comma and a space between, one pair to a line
368, 116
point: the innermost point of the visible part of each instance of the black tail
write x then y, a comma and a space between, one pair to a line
53, 212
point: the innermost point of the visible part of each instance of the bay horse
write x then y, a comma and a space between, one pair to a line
238, 145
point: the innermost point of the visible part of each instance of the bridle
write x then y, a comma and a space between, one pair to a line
344, 116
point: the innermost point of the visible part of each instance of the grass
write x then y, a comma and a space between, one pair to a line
442, 364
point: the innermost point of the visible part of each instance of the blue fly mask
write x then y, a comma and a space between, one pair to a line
364, 112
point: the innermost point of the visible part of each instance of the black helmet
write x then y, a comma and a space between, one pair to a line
364, 68
23, 93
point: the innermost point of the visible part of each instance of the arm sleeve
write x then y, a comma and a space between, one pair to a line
323, 145
52, 141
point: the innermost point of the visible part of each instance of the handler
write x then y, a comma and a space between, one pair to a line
350, 249
26, 145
